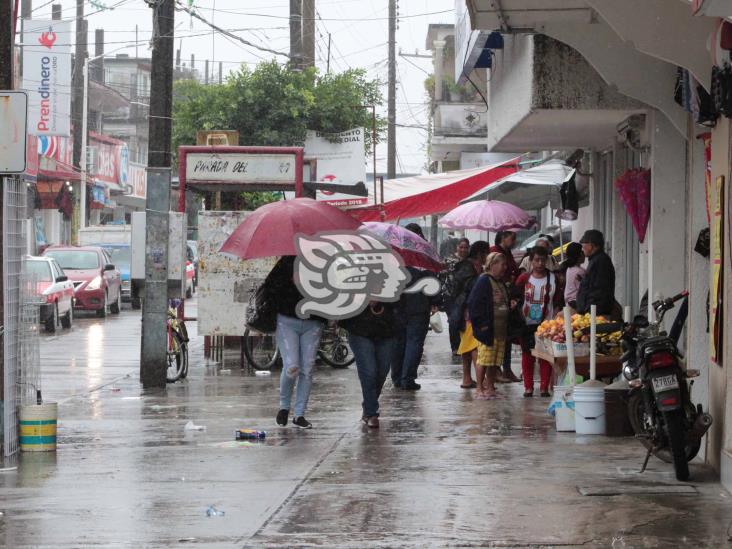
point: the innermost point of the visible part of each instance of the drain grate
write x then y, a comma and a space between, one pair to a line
636, 489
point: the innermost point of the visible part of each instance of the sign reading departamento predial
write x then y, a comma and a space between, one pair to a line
47, 76
241, 168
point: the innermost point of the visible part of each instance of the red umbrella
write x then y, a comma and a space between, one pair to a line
270, 230
634, 187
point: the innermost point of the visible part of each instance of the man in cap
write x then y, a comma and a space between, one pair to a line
598, 285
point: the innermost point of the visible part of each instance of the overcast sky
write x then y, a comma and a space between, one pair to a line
358, 30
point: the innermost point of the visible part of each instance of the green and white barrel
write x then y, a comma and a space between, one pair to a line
38, 427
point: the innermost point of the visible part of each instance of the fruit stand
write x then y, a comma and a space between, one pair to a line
551, 346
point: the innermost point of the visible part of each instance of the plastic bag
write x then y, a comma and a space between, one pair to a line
436, 323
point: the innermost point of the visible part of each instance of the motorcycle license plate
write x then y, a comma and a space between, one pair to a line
665, 383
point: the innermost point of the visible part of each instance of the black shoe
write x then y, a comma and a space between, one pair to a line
412, 386
302, 423
545, 394
528, 394
396, 384
282, 417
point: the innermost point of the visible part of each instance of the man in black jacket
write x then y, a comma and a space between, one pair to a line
598, 285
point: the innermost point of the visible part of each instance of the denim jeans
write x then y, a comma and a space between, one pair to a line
298, 342
373, 357
408, 349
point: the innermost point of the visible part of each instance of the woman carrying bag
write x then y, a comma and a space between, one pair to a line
541, 298
297, 339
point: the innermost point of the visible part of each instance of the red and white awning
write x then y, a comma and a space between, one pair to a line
431, 194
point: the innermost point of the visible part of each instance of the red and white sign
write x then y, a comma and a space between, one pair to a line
137, 179
342, 160
47, 76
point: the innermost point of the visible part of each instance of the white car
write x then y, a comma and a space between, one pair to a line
55, 290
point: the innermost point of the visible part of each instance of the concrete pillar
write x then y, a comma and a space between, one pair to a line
619, 222
696, 342
719, 438
439, 65
119, 214
665, 236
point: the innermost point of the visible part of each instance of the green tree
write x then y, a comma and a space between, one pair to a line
275, 106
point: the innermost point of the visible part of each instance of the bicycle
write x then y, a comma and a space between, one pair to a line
262, 353
177, 353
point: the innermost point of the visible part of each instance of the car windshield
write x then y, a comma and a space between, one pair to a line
39, 269
75, 260
120, 256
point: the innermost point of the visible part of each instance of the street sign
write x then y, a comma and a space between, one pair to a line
13, 131
241, 167
341, 161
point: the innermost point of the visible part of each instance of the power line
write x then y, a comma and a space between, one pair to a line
224, 32
345, 20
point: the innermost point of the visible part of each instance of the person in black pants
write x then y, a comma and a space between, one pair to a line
412, 324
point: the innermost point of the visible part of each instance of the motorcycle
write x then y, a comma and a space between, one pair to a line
661, 412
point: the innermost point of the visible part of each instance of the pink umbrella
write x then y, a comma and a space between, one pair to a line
487, 215
414, 249
634, 187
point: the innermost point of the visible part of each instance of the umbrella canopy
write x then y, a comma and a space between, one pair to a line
529, 189
270, 230
414, 249
487, 215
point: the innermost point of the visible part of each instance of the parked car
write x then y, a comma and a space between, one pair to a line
97, 282
55, 290
120, 256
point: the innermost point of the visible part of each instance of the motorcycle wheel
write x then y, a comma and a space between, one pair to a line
260, 350
636, 412
677, 441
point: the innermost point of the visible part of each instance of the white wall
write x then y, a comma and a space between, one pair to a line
666, 236
697, 338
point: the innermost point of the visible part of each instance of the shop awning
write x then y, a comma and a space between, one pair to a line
59, 174
431, 194
529, 189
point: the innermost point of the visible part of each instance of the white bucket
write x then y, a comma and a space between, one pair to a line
589, 408
564, 408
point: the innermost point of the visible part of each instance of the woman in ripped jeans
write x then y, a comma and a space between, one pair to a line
297, 339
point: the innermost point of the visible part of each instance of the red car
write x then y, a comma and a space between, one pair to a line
97, 282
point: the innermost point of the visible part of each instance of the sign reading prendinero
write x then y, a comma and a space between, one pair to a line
47, 76
241, 168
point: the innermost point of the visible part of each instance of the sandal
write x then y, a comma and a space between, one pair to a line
472, 385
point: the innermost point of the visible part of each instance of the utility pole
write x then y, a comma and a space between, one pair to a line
153, 360
391, 107
296, 34
308, 33
6, 83
327, 66
77, 103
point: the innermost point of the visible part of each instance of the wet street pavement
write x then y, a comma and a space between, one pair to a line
443, 470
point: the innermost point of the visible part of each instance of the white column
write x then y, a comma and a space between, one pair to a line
439, 62
666, 236
696, 342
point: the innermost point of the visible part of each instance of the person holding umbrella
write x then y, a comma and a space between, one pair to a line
297, 340
270, 231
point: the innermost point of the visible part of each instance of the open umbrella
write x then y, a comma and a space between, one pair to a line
270, 230
487, 215
414, 249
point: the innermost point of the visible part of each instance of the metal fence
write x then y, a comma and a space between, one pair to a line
14, 249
